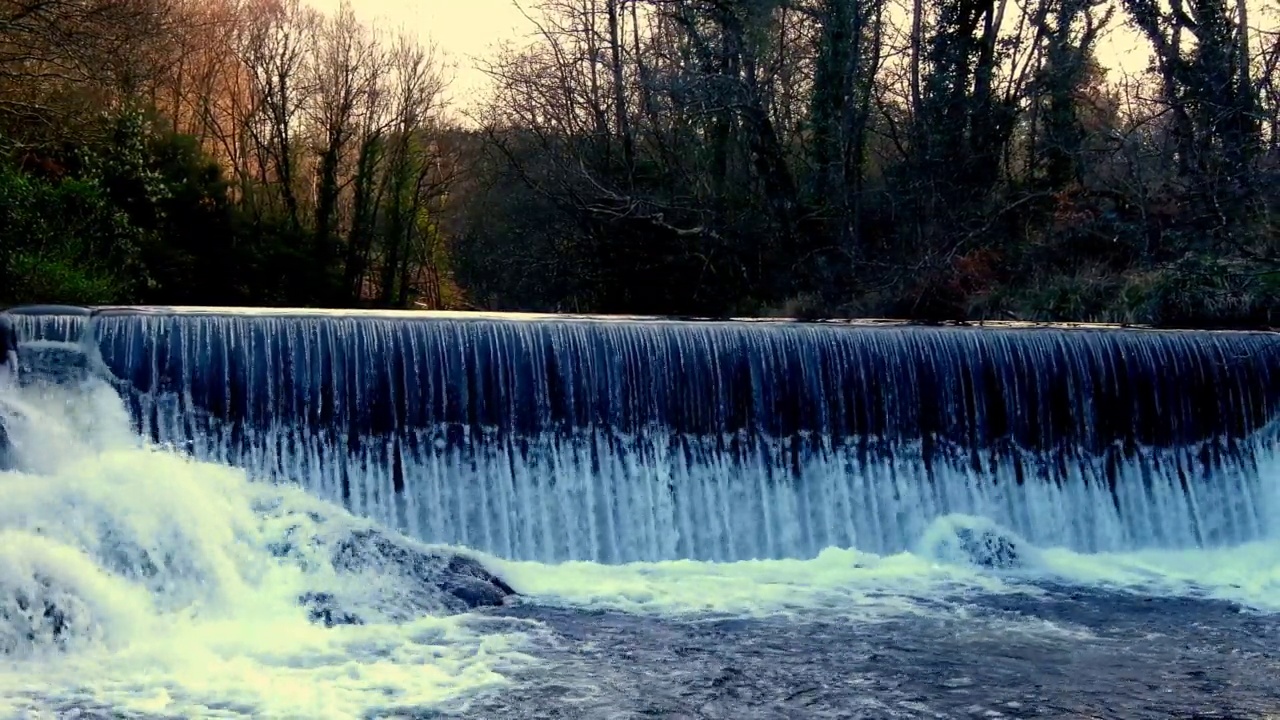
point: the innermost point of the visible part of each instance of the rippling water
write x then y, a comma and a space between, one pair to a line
1068, 652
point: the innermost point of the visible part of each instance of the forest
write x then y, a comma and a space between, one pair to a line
940, 160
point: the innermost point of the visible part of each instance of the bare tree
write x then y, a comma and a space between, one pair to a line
275, 54
412, 178
345, 67
58, 55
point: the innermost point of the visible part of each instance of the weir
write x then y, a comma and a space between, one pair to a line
54, 323
614, 440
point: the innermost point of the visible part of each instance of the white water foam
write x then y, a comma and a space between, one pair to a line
937, 576
170, 601
137, 580
1248, 575
847, 582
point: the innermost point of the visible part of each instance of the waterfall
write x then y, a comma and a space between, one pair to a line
56, 323
616, 440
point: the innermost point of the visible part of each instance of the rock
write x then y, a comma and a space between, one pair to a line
324, 608
468, 581
295, 544
6, 448
382, 576
452, 582
8, 351
11, 414
397, 580
8, 336
989, 549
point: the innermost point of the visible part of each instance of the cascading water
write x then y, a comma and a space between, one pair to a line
55, 323
138, 583
622, 440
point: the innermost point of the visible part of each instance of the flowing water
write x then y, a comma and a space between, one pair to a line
702, 519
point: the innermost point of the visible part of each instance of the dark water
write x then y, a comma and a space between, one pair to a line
1071, 653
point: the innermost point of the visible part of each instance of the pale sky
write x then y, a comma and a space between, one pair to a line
465, 30
462, 29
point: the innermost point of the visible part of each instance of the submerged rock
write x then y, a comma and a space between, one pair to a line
436, 581
382, 576
8, 340
988, 548
6, 448
325, 609
295, 544
10, 415
977, 542
8, 375
369, 575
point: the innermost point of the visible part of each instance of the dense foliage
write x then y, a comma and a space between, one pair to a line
953, 159
142, 215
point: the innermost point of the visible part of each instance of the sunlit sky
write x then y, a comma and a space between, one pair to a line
466, 31
463, 30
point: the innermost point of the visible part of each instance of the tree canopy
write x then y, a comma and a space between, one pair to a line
942, 160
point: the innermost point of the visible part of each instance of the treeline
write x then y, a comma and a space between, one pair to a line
943, 159
221, 152
951, 158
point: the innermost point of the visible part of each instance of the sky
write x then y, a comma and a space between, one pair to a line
467, 30
464, 30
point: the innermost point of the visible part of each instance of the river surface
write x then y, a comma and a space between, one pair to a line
1069, 653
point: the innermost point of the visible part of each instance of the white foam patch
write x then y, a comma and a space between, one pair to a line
847, 582
939, 577
52, 426
137, 580
1247, 574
